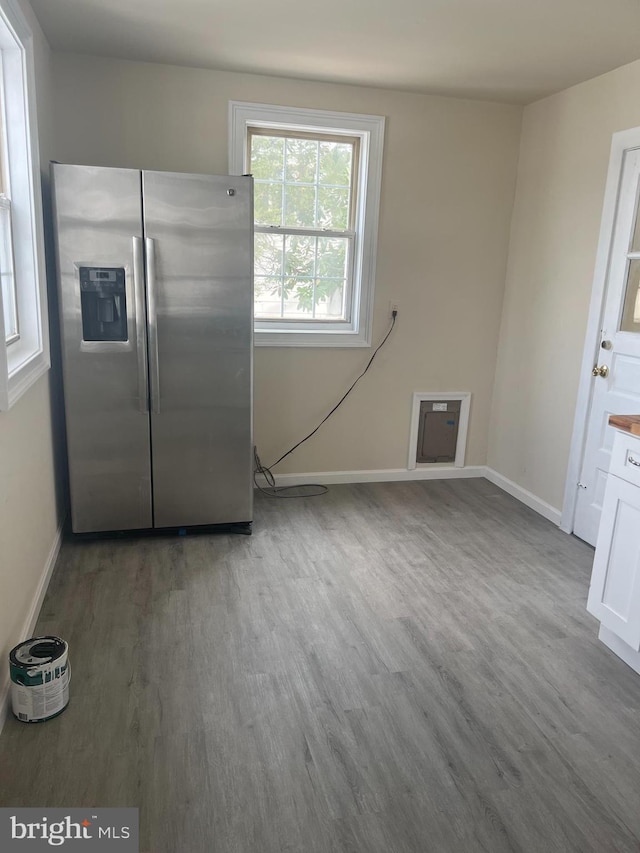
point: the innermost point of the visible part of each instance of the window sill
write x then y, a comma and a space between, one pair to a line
280, 338
22, 378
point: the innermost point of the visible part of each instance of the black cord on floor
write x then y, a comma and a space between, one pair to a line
274, 491
266, 471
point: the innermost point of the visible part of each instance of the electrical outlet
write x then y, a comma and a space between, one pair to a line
393, 306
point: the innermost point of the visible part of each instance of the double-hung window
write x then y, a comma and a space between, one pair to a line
316, 198
24, 344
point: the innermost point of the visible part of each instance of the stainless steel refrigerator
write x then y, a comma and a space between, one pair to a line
156, 305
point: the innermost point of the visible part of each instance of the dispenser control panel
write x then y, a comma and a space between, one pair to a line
109, 279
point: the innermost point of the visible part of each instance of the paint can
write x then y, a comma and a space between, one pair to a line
40, 677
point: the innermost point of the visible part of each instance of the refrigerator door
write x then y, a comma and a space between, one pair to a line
98, 230
199, 256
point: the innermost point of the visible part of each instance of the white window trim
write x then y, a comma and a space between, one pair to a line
370, 130
23, 361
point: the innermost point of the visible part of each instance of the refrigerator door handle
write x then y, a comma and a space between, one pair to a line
141, 325
154, 366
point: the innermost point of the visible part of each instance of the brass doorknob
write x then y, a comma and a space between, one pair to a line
600, 371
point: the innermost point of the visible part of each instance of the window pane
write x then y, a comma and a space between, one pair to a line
331, 280
301, 160
635, 243
267, 157
333, 208
314, 277
300, 277
317, 182
329, 300
268, 254
9, 307
268, 297
298, 298
335, 163
300, 257
631, 310
300, 206
267, 201
332, 257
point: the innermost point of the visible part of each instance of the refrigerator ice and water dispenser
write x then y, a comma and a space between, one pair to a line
104, 303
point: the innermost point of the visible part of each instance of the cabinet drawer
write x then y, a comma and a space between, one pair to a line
625, 458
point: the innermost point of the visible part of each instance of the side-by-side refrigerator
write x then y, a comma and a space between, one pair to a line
156, 305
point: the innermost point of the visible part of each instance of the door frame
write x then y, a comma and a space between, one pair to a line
621, 142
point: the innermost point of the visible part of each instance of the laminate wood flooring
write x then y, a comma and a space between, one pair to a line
390, 668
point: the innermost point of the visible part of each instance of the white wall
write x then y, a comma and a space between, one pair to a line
561, 180
448, 185
29, 515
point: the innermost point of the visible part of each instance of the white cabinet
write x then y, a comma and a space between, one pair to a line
614, 596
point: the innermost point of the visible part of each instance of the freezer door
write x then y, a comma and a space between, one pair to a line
199, 255
100, 257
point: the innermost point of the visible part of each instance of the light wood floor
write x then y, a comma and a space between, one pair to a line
392, 668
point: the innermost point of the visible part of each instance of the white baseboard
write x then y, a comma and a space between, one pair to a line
527, 498
383, 475
433, 472
32, 617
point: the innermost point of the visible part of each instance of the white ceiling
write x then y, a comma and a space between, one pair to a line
508, 50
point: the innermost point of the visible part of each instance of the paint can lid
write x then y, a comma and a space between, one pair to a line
37, 651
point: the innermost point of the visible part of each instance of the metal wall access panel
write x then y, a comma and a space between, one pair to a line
98, 218
199, 254
438, 430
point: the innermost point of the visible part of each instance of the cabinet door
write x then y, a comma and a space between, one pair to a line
614, 596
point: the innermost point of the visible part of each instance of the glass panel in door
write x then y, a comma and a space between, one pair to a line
630, 321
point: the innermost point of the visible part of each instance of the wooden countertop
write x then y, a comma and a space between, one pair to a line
627, 423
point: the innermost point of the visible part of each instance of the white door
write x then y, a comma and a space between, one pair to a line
616, 387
